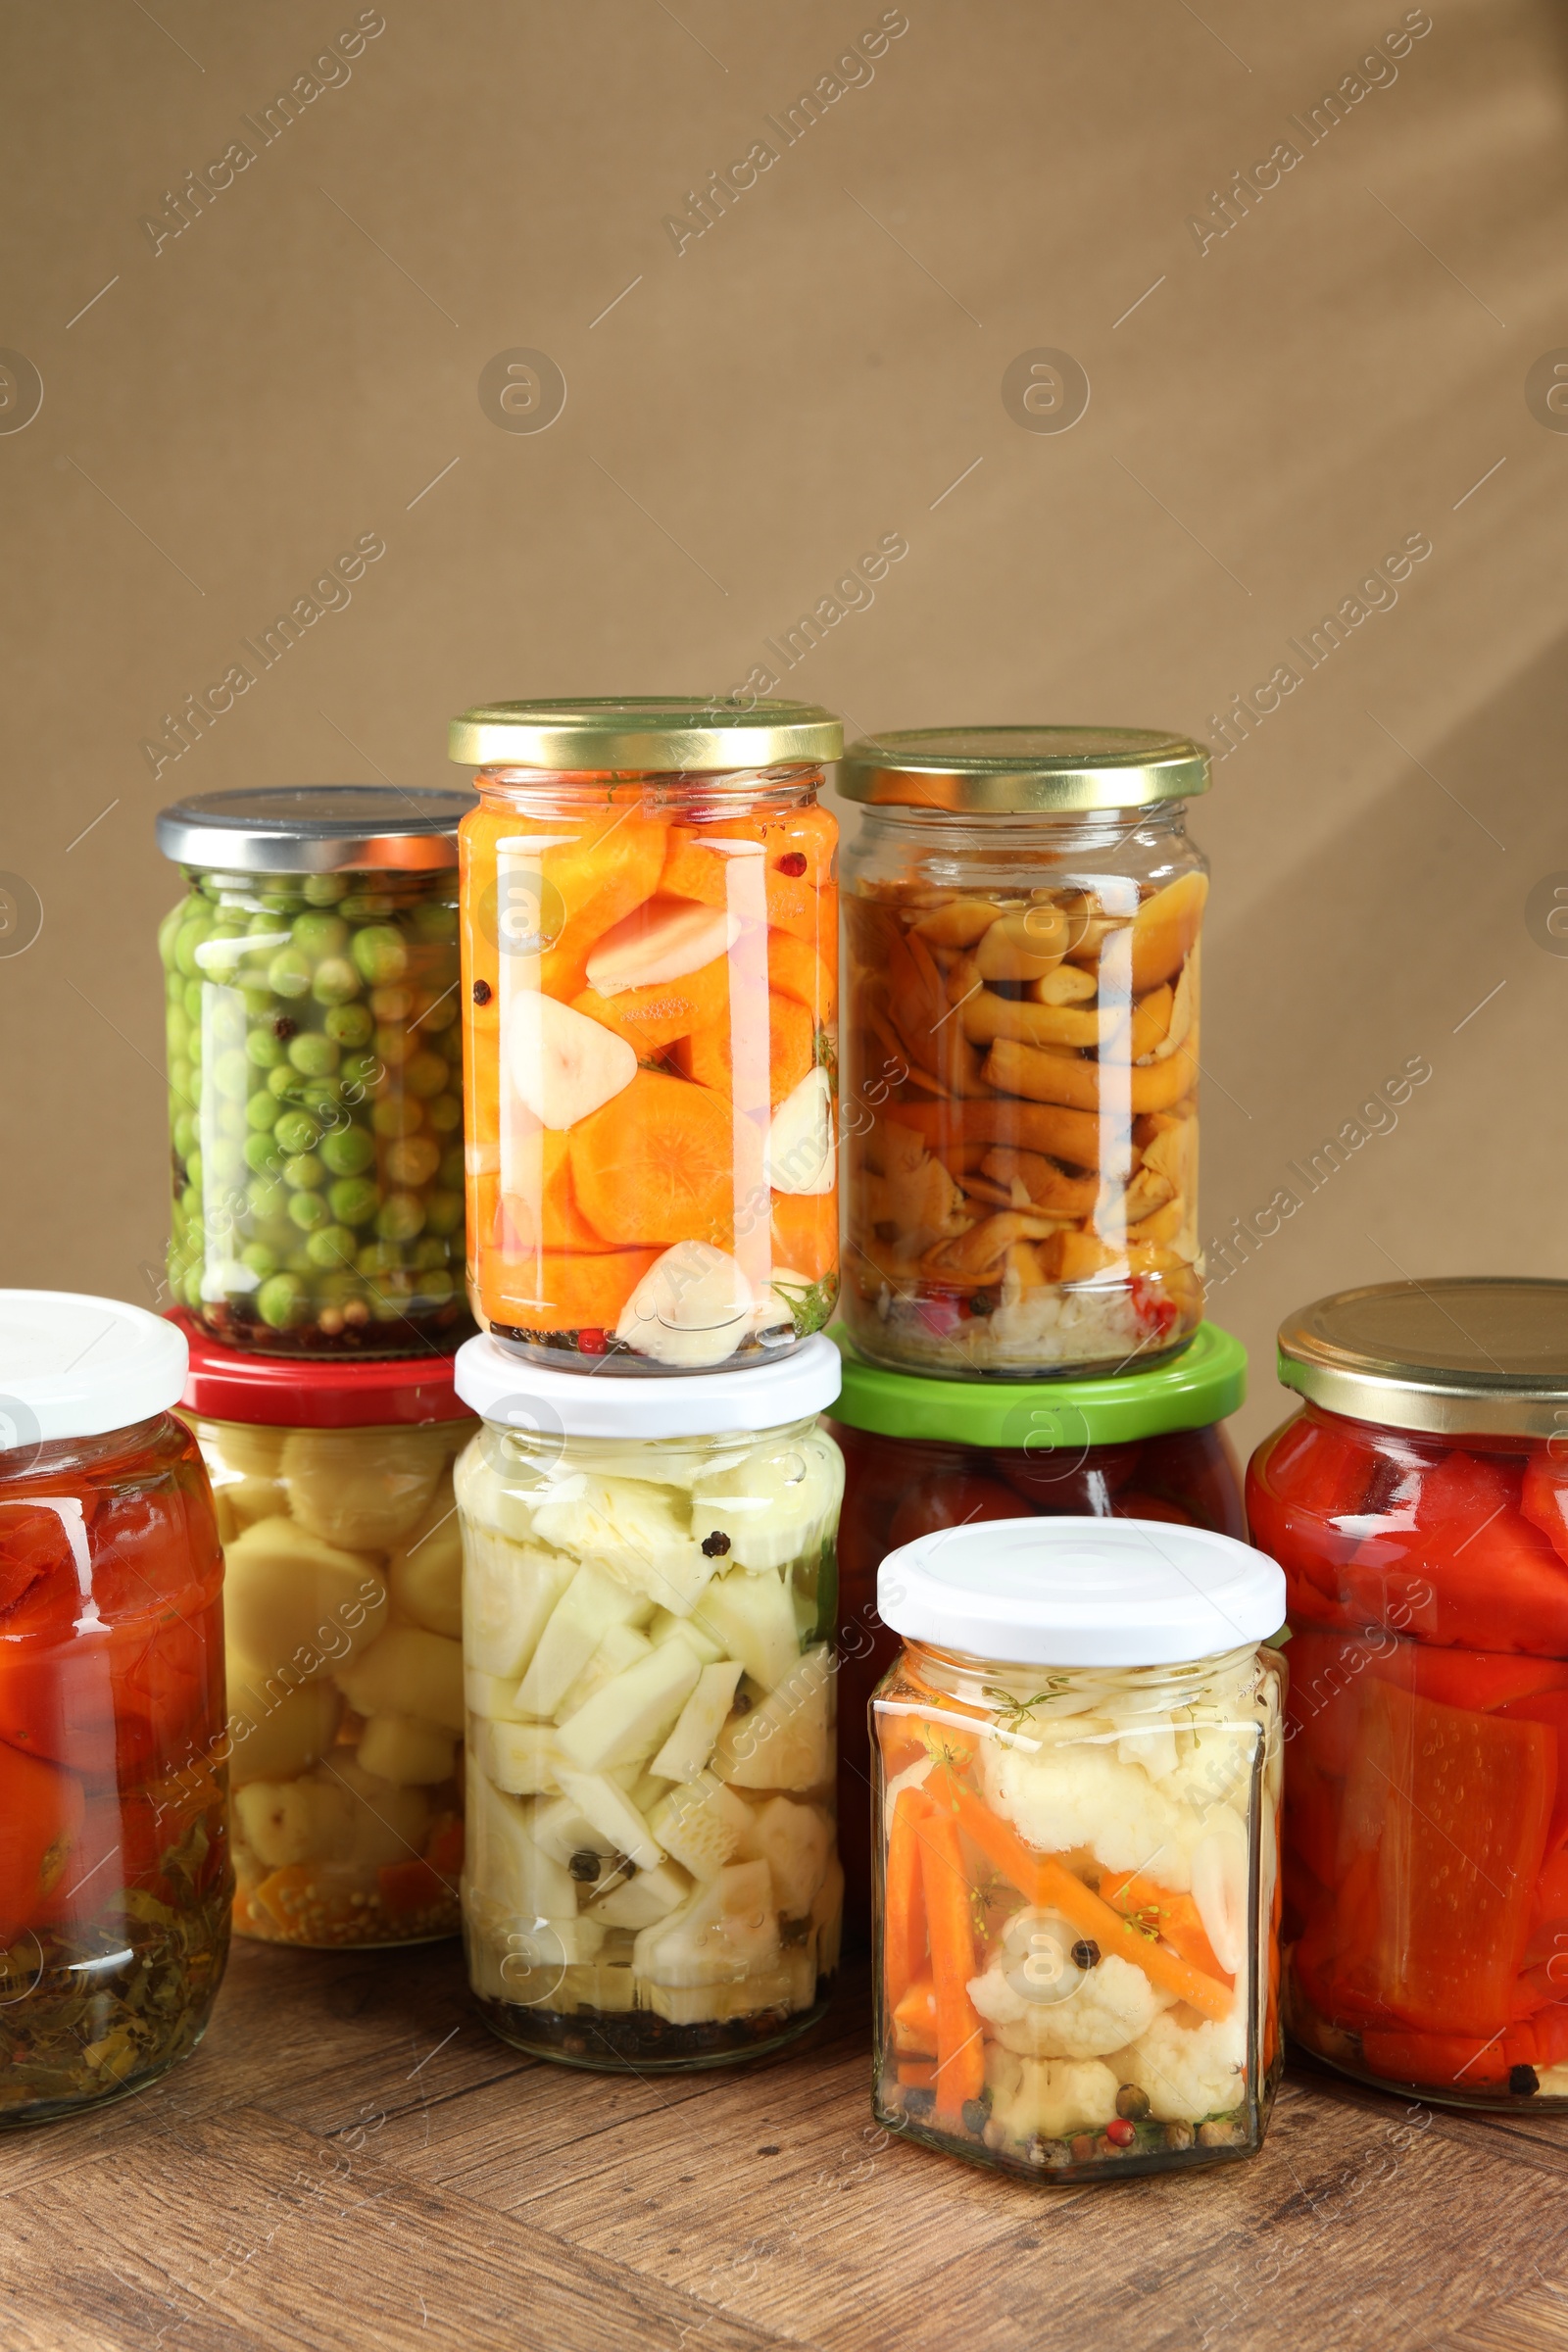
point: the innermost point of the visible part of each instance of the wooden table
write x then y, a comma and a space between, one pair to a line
352, 2161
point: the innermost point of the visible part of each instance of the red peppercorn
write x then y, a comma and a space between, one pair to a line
793, 863
1120, 2132
591, 1343
481, 992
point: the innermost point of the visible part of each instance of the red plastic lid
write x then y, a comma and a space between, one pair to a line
291, 1392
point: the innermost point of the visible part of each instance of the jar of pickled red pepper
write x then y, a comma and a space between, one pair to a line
921, 1454
115, 1877
1418, 1504
653, 1879
343, 1611
649, 979
1078, 1766
315, 1068
1023, 915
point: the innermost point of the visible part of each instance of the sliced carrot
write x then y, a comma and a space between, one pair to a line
960, 2051
1045, 1880
914, 2020
443, 1848
903, 1903
806, 1232
791, 1049
916, 2074
543, 1213
561, 1290
656, 1164
796, 967
409, 1887
1175, 1917
610, 863
652, 1018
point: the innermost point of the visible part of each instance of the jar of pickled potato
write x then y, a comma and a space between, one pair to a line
1023, 913
343, 1613
115, 1879
315, 1068
1078, 1769
652, 1878
1418, 1504
921, 1454
650, 950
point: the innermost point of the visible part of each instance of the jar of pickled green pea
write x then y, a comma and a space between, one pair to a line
315, 1068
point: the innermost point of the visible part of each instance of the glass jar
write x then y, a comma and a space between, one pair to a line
1418, 1504
1077, 1797
1020, 1050
343, 1608
653, 1879
649, 977
921, 1454
315, 1070
114, 1877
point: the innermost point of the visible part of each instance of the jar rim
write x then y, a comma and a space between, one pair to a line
314, 829
1024, 770
1465, 1355
1202, 1384
654, 734
538, 1400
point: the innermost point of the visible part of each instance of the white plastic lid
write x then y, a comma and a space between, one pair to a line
75, 1367
1081, 1591
518, 1395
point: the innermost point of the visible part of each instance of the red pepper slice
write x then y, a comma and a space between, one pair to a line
1301, 1482
40, 1821
1548, 1706
1462, 1564
1545, 1501
1449, 2061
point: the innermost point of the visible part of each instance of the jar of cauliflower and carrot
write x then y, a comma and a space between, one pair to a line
1022, 920
649, 954
1077, 1786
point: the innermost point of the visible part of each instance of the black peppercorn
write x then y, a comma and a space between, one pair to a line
584, 1866
716, 1546
919, 2103
1132, 2102
1086, 1952
1523, 2082
481, 992
976, 2114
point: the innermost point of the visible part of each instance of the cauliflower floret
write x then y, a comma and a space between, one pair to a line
1213, 1766
1189, 2071
1110, 2005
1068, 1796
1047, 2096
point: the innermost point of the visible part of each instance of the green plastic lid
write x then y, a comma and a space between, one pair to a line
1201, 1385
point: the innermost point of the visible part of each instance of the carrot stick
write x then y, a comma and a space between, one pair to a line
904, 1906
960, 2054
914, 2020
1176, 1917
1049, 1883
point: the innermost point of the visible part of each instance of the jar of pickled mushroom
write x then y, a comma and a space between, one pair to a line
653, 1879
1418, 1504
343, 1614
921, 1454
1022, 917
1078, 1766
315, 1068
649, 980
114, 1877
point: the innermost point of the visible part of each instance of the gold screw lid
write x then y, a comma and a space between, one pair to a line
1466, 1356
652, 734
1001, 771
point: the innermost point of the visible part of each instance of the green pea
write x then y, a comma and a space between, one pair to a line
412, 1161
399, 1217
303, 1172
336, 981
324, 890
332, 1246
193, 1169
349, 1025
296, 1133
306, 1210
396, 1115
390, 1303
176, 1029
258, 999
354, 1199
193, 1287
317, 935
444, 1114
430, 1253
392, 1044
434, 1288
443, 1212
184, 1136
349, 1151
362, 1071
284, 1083
322, 1098
190, 938
262, 1051
193, 1088
381, 953
267, 1198
312, 1054
190, 1201
426, 1075
169, 931
261, 1155
368, 906
193, 1003
260, 1260
231, 1073
378, 1259
284, 1303
224, 1164
453, 1169
289, 973
436, 925
260, 1109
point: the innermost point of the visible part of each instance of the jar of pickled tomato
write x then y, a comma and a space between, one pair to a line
1022, 922
1418, 1504
115, 1877
650, 973
653, 1879
1078, 1766
921, 1454
343, 1614
315, 1068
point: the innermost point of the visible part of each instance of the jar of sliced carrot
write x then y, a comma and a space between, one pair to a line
649, 980
1022, 923
1078, 1764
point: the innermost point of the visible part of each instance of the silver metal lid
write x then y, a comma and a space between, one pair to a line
1019, 770
315, 829
1471, 1355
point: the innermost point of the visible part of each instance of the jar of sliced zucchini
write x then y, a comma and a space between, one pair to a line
651, 1876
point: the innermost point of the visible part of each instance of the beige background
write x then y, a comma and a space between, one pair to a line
814, 371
